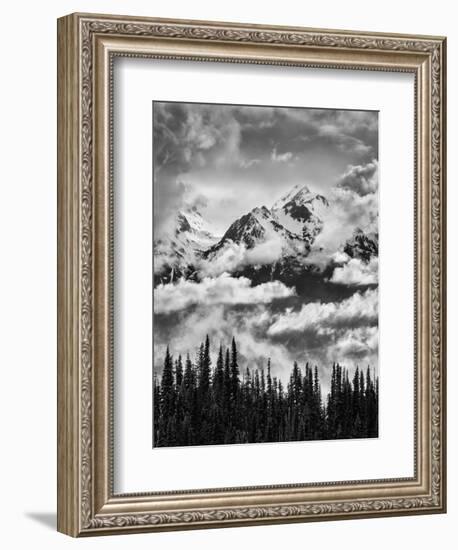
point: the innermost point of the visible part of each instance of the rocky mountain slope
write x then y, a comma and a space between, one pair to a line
271, 243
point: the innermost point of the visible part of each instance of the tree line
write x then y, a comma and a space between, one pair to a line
196, 404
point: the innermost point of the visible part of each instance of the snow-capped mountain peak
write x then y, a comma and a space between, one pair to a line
301, 212
300, 195
196, 228
362, 245
176, 255
298, 189
261, 211
262, 244
194, 219
249, 229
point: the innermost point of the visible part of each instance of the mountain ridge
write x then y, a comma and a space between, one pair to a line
273, 243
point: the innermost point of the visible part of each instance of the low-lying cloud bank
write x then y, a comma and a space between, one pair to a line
360, 308
356, 272
223, 289
320, 333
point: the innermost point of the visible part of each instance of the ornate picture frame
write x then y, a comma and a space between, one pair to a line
87, 46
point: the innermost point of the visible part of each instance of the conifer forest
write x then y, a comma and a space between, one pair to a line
197, 403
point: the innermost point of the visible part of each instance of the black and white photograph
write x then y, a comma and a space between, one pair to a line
265, 269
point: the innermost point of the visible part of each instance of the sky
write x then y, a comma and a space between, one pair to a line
207, 153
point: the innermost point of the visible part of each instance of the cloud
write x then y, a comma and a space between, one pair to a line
248, 163
346, 332
197, 202
324, 333
227, 259
359, 344
235, 256
356, 272
189, 135
226, 151
360, 308
362, 179
281, 157
353, 204
222, 322
187, 138
350, 132
347, 212
267, 252
213, 291
340, 257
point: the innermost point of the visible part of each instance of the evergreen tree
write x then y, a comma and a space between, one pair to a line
356, 404
206, 367
198, 406
156, 408
190, 403
167, 398
167, 385
218, 376
234, 371
178, 373
227, 383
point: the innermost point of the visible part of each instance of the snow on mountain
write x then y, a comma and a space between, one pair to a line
262, 244
299, 195
254, 228
294, 219
178, 254
192, 226
301, 212
362, 245
249, 229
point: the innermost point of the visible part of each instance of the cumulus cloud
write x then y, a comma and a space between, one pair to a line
353, 204
222, 322
357, 344
227, 259
265, 252
351, 338
281, 157
233, 256
360, 308
340, 257
212, 291
347, 211
356, 272
362, 179
248, 163
324, 333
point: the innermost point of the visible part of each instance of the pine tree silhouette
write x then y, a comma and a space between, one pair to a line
198, 405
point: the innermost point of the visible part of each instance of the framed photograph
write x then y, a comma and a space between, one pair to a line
251, 290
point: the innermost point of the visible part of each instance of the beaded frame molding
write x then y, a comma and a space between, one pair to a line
87, 45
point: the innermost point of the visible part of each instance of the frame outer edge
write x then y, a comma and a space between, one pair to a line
76, 515
133, 19
68, 379
443, 253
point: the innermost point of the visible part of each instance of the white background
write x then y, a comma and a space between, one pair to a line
137, 466
28, 274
